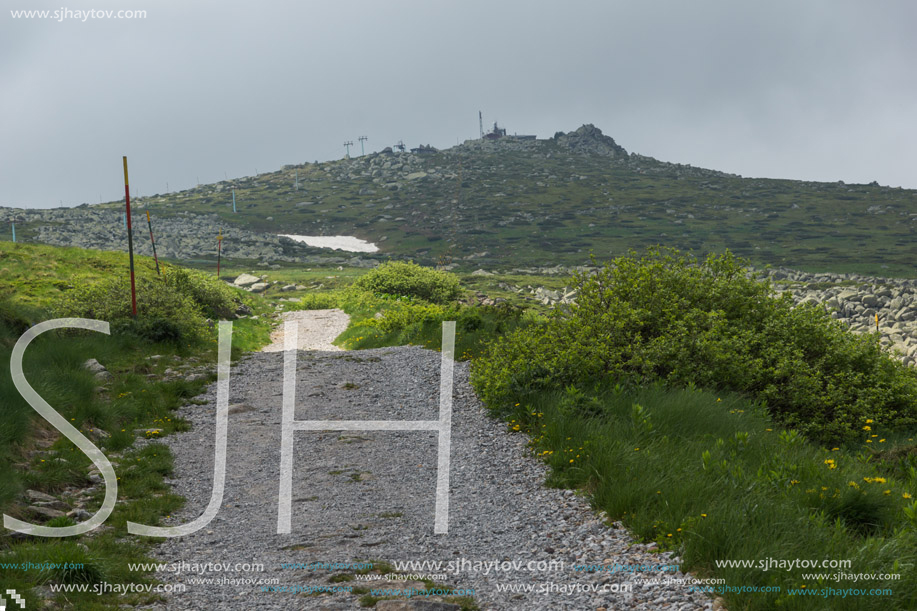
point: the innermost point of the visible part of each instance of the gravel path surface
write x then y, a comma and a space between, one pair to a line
369, 496
317, 329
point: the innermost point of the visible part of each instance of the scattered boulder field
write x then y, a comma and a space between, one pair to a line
856, 300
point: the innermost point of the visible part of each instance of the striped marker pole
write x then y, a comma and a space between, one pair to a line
219, 251
149, 224
130, 238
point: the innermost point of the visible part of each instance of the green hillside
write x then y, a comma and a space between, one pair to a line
554, 201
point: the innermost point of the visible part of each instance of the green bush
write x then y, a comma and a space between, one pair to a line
398, 318
163, 312
172, 307
216, 299
411, 280
417, 323
319, 301
666, 317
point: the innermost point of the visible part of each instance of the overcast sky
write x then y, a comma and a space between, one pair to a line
815, 90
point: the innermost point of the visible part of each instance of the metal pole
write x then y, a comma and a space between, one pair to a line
152, 241
130, 238
219, 251
14, 230
233, 201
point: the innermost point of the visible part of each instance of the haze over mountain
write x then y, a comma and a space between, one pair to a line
199, 92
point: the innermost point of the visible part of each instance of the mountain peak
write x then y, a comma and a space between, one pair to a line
590, 139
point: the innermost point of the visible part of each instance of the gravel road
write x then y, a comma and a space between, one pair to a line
317, 329
368, 496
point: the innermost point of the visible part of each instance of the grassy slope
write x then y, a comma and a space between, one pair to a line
585, 204
35, 275
710, 477
132, 400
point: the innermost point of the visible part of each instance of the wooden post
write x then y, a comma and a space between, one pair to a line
130, 238
152, 241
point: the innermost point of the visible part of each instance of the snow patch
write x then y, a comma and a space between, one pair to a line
337, 242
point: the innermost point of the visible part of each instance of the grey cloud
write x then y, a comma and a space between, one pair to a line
817, 90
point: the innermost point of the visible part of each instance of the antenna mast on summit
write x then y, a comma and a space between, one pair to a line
347, 146
481, 124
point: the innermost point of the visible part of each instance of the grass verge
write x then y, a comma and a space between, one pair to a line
713, 479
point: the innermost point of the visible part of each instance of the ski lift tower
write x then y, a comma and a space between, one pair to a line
13, 221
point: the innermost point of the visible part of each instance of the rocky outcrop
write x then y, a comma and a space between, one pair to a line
245, 280
590, 140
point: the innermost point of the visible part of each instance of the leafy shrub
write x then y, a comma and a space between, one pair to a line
411, 280
417, 323
163, 312
319, 301
216, 299
467, 318
399, 318
172, 307
666, 317
152, 328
